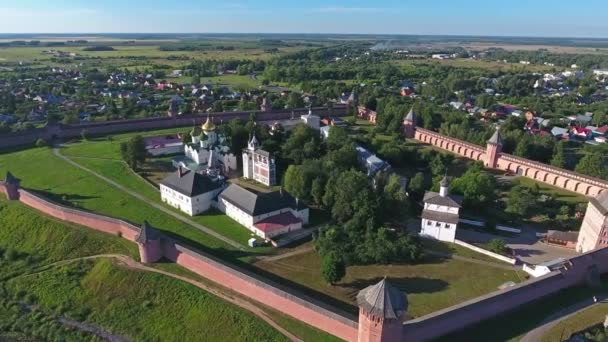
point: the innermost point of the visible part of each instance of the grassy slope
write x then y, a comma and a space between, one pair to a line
69, 185
46, 240
579, 322
143, 306
430, 286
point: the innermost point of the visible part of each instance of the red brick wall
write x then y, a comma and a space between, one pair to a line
93, 221
2, 188
304, 310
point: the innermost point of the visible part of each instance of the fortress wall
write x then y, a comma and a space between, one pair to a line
271, 294
118, 126
474, 311
98, 222
248, 284
309, 310
3, 189
565, 179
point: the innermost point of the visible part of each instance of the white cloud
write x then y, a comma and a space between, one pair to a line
351, 9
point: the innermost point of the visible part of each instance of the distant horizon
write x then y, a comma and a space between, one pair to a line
514, 18
300, 34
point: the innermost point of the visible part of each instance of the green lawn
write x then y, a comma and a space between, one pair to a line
33, 240
512, 326
45, 173
577, 323
430, 286
140, 305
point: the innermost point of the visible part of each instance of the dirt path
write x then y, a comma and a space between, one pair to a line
152, 203
128, 262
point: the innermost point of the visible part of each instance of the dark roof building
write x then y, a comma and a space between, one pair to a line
383, 301
190, 183
257, 204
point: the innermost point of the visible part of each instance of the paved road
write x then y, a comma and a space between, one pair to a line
537, 333
153, 204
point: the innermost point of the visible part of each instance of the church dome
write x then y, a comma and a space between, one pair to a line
208, 126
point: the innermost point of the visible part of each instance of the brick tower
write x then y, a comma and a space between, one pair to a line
409, 124
148, 242
382, 309
493, 150
12, 186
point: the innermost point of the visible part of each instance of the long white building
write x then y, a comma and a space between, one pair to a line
190, 192
265, 214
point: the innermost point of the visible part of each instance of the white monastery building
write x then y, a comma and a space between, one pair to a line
265, 214
190, 192
207, 147
441, 214
258, 164
594, 230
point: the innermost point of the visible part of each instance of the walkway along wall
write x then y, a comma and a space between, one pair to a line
111, 127
582, 269
280, 298
572, 181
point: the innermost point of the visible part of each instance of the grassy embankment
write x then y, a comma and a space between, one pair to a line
105, 294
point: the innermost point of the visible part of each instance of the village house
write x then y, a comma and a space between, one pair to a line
370, 162
441, 214
311, 120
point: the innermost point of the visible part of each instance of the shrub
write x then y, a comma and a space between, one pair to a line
497, 246
333, 268
41, 142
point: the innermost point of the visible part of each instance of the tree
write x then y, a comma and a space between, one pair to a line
497, 246
133, 152
593, 164
395, 197
318, 190
337, 137
40, 142
295, 181
521, 200
84, 134
417, 184
476, 186
559, 156
333, 268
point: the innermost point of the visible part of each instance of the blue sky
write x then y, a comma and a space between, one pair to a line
581, 18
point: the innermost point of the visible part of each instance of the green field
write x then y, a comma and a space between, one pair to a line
430, 286
577, 323
49, 175
38, 267
525, 318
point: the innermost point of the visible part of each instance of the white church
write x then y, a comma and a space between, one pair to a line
441, 214
207, 147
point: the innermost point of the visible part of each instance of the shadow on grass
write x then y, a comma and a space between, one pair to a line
405, 284
65, 199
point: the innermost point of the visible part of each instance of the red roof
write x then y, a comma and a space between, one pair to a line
602, 130
277, 222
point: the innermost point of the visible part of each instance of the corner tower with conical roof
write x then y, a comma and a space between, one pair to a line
493, 150
148, 241
11, 184
409, 124
382, 311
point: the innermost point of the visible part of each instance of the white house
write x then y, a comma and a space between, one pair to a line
265, 214
190, 192
313, 121
441, 214
546, 267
